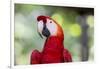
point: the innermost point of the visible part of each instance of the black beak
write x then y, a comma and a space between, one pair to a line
45, 31
40, 35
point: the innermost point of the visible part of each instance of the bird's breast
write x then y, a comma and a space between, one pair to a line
52, 52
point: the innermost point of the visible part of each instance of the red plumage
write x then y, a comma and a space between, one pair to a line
53, 51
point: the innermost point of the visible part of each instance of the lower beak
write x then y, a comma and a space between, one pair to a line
40, 35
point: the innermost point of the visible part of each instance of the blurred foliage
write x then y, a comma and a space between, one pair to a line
75, 30
26, 38
58, 18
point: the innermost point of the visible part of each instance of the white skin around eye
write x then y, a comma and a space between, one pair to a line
52, 27
40, 26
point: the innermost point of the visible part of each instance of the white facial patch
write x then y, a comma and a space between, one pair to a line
52, 27
40, 26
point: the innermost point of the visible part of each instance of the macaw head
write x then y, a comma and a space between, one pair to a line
48, 27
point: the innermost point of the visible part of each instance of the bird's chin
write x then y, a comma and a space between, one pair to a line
42, 36
45, 37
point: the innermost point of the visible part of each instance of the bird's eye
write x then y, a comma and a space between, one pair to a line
50, 21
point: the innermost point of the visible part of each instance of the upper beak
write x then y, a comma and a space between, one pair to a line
45, 31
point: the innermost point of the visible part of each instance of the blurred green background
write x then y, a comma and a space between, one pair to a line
77, 24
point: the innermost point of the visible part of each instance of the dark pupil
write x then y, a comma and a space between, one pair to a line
50, 21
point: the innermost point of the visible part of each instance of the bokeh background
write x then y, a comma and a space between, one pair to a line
77, 24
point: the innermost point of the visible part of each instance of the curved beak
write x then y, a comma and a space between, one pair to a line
40, 35
45, 31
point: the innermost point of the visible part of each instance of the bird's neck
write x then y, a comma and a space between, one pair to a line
53, 41
55, 38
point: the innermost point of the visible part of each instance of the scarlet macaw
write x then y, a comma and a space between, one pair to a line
53, 51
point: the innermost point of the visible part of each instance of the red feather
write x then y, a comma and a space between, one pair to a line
53, 50
67, 56
35, 57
